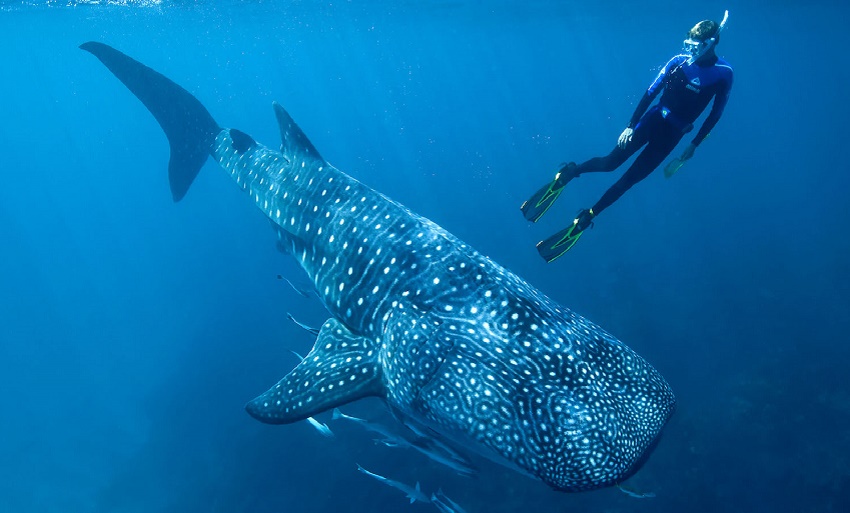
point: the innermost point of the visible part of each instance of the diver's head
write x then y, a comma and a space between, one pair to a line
702, 39
704, 30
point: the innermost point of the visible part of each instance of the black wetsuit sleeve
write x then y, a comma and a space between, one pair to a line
717, 107
656, 87
641, 108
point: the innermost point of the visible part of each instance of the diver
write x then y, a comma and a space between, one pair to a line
687, 83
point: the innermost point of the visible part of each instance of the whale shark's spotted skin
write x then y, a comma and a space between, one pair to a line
450, 339
457, 342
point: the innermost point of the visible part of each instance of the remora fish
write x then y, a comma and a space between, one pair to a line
636, 494
447, 337
462, 467
414, 493
300, 291
321, 427
444, 504
426, 446
310, 329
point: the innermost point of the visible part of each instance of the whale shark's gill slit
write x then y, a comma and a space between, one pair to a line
190, 128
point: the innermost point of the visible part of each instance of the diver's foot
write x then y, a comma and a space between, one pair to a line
567, 172
584, 219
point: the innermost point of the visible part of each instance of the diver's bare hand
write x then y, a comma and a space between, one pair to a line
625, 138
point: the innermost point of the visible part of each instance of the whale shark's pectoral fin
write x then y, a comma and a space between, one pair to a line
294, 142
341, 368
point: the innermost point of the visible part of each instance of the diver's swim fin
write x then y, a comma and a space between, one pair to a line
555, 246
673, 166
537, 205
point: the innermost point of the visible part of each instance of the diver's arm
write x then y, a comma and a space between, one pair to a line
720, 100
655, 88
711, 120
717, 107
626, 136
642, 105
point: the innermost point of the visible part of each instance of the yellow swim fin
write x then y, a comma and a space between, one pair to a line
674, 165
534, 208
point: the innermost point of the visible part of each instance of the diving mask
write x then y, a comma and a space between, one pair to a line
696, 48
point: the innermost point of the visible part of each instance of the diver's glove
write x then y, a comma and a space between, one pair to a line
625, 137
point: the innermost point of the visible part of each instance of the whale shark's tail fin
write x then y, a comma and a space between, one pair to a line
190, 129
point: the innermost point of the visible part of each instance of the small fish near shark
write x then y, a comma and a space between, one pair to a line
428, 446
451, 341
414, 493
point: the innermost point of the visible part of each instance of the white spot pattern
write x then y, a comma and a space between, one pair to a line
432, 320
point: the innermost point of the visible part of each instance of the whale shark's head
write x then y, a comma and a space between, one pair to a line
601, 434
545, 391
591, 407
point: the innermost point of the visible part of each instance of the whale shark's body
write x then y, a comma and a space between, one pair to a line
452, 341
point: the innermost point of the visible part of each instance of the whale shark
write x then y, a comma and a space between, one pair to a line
452, 342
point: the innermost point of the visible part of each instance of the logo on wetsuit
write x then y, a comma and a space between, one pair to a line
693, 85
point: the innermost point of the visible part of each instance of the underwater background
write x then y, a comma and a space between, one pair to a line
134, 330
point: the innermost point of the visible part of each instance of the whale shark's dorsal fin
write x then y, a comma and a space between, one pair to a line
341, 368
293, 140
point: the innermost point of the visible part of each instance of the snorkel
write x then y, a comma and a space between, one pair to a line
697, 48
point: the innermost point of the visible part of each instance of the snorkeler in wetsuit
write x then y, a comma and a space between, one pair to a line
687, 84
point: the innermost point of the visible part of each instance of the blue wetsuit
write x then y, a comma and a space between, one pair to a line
687, 90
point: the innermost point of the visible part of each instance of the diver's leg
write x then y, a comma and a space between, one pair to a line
618, 155
654, 154
661, 144
539, 203
607, 163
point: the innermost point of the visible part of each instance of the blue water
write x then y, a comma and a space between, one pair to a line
133, 330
